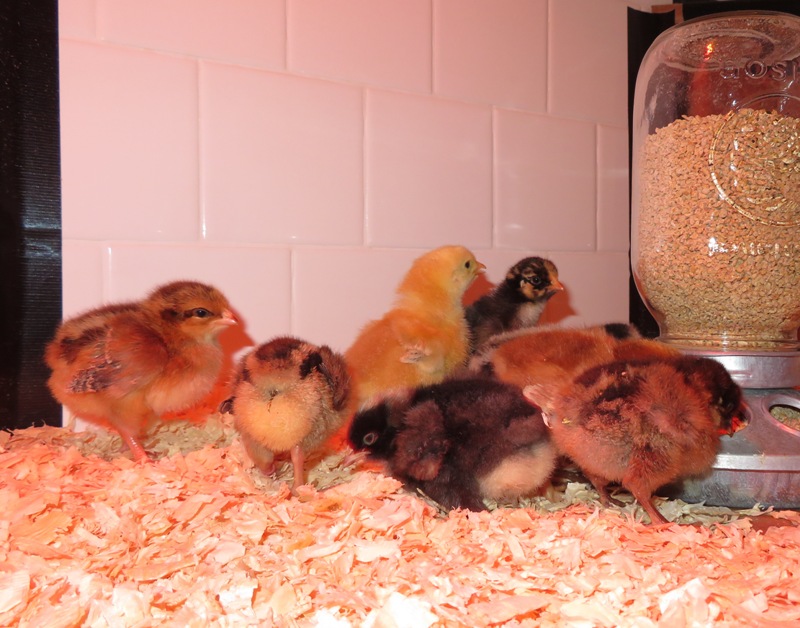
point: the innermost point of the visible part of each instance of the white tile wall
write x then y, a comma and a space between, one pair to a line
545, 182
492, 52
77, 18
83, 267
282, 158
129, 151
381, 43
343, 288
612, 189
587, 69
300, 153
247, 32
429, 171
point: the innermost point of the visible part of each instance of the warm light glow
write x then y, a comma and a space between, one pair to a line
709, 49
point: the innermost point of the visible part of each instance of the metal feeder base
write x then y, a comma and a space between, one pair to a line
760, 464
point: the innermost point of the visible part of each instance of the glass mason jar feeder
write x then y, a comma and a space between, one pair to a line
715, 238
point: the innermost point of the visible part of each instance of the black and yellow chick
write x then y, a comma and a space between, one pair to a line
459, 441
642, 423
288, 396
127, 365
516, 303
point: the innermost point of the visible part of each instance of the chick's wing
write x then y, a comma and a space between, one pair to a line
524, 429
334, 370
418, 340
422, 443
127, 357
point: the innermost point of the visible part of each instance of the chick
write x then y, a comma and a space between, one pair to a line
552, 354
459, 441
516, 303
126, 365
289, 396
424, 337
642, 423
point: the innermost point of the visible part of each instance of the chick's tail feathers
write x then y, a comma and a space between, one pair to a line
338, 377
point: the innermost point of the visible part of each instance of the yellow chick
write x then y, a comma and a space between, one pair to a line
288, 396
424, 337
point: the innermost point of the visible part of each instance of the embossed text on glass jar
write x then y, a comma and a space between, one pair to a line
716, 182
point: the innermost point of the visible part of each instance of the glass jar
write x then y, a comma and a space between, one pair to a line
715, 224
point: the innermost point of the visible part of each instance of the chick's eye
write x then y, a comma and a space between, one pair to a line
370, 438
467, 265
535, 281
727, 405
201, 312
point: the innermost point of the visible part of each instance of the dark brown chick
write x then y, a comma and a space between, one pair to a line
642, 423
459, 441
289, 396
126, 365
516, 303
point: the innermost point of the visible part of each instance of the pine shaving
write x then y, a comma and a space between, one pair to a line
199, 537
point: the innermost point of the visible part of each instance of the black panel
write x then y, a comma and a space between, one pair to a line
698, 9
643, 28
30, 209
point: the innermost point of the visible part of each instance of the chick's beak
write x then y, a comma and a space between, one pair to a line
228, 319
354, 458
555, 286
739, 421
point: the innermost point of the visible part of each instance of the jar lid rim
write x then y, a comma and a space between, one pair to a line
780, 34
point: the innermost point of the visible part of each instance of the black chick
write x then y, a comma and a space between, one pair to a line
459, 441
516, 303
642, 423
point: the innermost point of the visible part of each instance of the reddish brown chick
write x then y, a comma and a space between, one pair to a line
128, 364
642, 423
549, 354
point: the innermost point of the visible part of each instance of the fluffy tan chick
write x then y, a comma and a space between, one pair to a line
289, 396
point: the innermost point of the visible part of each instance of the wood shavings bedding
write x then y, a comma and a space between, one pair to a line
200, 538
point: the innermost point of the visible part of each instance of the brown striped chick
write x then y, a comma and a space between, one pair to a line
289, 396
126, 365
516, 303
424, 337
642, 423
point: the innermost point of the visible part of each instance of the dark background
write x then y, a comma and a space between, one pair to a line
30, 208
